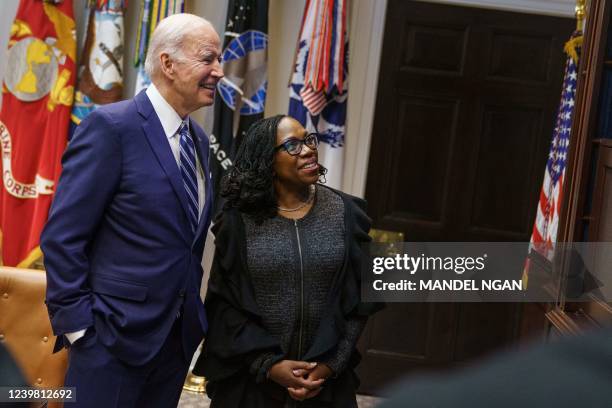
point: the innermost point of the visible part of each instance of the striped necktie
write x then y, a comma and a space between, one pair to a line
188, 171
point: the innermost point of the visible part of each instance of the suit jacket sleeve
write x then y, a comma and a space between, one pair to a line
90, 176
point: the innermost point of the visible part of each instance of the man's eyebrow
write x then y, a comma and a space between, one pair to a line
208, 51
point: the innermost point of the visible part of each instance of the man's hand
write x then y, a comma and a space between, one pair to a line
319, 373
282, 373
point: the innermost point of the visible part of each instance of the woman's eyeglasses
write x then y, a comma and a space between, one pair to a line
293, 146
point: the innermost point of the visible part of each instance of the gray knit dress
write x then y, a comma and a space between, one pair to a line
292, 264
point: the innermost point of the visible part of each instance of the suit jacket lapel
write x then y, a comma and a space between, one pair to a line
161, 147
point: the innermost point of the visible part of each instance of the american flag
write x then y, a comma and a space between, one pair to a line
546, 225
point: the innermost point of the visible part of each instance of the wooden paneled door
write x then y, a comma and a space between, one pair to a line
464, 116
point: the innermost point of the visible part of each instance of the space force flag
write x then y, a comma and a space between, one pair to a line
318, 88
37, 96
241, 93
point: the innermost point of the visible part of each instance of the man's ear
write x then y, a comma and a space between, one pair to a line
167, 65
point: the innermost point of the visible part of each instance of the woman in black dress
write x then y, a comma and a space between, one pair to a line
283, 297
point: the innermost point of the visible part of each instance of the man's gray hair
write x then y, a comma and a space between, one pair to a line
168, 38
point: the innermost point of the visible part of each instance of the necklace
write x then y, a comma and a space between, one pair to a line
311, 194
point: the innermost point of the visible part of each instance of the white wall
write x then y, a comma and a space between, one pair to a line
366, 38
366, 25
284, 22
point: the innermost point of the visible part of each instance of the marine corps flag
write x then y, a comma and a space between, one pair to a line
241, 95
37, 94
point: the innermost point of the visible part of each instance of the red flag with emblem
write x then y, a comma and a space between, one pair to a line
37, 95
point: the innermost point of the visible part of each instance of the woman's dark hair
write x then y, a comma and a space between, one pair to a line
249, 184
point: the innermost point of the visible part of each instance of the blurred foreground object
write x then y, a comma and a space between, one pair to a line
572, 372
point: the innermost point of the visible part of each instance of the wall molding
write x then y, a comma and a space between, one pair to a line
366, 49
561, 8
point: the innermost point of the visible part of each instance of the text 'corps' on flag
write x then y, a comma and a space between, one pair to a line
37, 95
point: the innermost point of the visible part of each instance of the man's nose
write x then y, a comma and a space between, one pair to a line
218, 70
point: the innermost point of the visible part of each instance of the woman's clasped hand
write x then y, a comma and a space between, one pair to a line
302, 379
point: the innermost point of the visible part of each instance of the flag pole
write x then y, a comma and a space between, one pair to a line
580, 13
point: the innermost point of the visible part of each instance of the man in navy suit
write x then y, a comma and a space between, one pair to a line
124, 240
